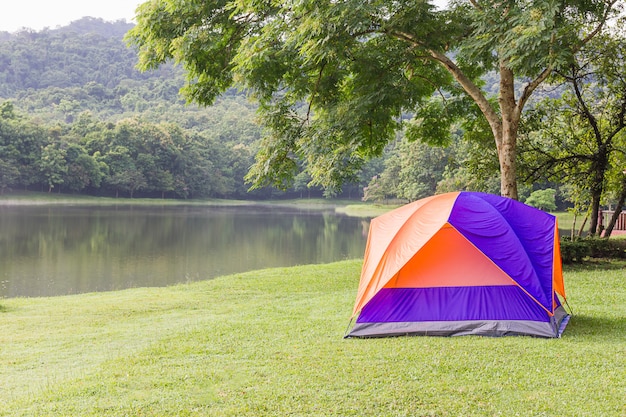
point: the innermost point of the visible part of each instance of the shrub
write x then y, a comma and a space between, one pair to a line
578, 250
573, 251
607, 248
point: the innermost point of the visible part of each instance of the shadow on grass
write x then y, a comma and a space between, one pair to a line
605, 327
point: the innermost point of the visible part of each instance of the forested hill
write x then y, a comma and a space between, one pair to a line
56, 74
77, 116
87, 51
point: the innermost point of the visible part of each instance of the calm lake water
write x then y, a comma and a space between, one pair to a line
57, 250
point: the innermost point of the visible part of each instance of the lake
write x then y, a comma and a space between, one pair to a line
57, 250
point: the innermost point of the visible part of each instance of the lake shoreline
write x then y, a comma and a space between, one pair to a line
355, 208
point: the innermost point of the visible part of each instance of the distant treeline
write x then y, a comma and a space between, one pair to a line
127, 158
77, 116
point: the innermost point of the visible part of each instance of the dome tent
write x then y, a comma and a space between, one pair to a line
460, 264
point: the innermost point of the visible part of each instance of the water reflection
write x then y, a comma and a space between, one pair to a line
61, 250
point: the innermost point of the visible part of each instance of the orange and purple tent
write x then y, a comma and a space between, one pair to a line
459, 264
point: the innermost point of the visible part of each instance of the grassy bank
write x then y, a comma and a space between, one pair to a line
38, 198
350, 207
269, 343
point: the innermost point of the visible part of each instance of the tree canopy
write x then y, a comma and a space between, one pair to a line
580, 135
334, 79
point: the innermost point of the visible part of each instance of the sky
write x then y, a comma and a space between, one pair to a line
38, 14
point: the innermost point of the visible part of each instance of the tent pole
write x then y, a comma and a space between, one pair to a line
345, 334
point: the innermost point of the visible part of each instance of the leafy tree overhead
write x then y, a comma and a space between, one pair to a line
333, 78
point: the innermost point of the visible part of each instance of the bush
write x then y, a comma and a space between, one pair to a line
543, 199
607, 248
573, 251
578, 250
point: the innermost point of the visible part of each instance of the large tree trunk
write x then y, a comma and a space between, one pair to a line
598, 172
507, 146
508, 173
505, 124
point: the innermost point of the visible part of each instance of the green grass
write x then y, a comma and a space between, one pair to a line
270, 343
366, 209
35, 198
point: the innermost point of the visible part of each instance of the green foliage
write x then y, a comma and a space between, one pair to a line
580, 250
543, 199
128, 157
52, 165
412, 171
38, 60
578, 137
354, 85
606, 248
574, 251
86, 68
9, 173
333, 79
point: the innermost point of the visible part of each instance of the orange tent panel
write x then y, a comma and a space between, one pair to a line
399, 235
448, 259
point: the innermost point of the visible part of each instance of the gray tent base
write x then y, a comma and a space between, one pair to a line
494, 328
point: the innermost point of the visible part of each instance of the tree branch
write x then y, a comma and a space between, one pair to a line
470, 88
598, 28
585, 109
531, 87
476, 4
310, 104
621, 116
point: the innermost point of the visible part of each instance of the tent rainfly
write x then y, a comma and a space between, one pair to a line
462, 263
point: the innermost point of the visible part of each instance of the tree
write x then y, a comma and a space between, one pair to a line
8, 174
157, 179
543, 199
82, 169
412, 171
333, 78
621, 200
581, 135
52, 165
21, 144
380, 188
123, 173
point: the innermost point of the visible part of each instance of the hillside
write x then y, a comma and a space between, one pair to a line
56, 74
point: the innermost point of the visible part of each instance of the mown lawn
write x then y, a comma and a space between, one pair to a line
270, 343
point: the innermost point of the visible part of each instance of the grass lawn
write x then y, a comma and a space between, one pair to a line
39, 198
269, 343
